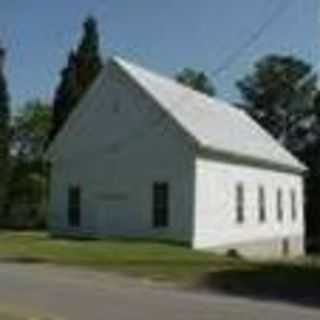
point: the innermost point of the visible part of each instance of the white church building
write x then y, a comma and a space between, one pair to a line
143, 156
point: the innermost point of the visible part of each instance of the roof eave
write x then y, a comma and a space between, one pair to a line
209, 152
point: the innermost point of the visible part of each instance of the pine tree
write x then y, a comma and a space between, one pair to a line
82, 69
4, 134
65, 97
89, 62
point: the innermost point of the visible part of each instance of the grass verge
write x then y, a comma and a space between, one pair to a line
295, 281
160, 260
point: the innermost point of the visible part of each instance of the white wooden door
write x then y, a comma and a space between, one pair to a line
113, 220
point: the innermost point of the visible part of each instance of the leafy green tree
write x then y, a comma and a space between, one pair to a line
279, 94
27, 188
4, 134
196, 80
30, 130
310, 155
82, 69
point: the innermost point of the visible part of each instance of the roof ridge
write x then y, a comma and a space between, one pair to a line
120, 60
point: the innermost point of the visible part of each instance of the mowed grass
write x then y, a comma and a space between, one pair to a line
15, 313
5, 316
295, 281
11, 313
159, 260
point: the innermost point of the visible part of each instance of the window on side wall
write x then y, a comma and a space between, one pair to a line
280, 205
74, 206
262, 204
160, 205
293, 204
240, 203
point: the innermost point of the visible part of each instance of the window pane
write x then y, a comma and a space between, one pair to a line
293, 205
74, 206
262, 204
279, 205
240, 203
160, 205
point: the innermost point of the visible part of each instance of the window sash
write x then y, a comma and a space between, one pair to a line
160, 205
240, 203
293, 204
262, 204
280, 205
74, 206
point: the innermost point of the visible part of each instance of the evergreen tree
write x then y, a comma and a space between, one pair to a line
82, 69
4, 134
88, 59
65, 97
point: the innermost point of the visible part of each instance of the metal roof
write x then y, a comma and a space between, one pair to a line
214, 124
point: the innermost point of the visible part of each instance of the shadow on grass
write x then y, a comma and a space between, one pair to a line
24, 260
124, 240
277, 282
170, 242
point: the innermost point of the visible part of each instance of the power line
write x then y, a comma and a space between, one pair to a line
255, 36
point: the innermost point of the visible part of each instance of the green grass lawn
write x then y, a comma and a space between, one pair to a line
297, 281
5, 316
160, 260
14, 313
11, 313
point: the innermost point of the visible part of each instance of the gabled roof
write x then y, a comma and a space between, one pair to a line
215, 125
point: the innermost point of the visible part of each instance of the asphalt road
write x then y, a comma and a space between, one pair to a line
67, 293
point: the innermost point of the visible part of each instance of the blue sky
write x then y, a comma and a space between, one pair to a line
164, 35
